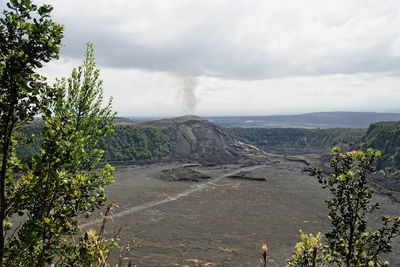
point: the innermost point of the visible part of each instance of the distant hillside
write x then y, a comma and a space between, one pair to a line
297, 137
191, 137
127, 142
122, 120
307, 120
131, 142
165, 123
29, 139
385, 136
186, 137
196, 138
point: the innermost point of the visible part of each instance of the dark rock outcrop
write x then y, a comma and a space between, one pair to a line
183, 174
195, 138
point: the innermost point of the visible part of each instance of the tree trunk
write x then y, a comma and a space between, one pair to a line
8, 129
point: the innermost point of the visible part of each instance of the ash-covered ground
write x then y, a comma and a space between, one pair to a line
189, 214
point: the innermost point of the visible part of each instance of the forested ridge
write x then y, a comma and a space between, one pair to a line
127, 142
300, 137
385, 136
132, 142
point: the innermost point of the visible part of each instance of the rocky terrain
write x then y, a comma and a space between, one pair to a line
217, 199
183, 174
222, 220
194, 138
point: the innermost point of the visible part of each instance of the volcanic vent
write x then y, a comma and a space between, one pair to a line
198, 139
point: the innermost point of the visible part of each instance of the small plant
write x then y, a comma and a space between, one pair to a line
349, 242
264, 249
309, 252
94, 249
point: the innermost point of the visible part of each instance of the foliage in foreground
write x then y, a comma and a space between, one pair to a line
349, 242
61, 182
45, 195
28, 38
307, 252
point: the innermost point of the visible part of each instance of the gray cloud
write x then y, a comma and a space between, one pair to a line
231, 61
245, 40
240, 57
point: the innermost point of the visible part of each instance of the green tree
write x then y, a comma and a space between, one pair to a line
349, 242
28, 38
62, 182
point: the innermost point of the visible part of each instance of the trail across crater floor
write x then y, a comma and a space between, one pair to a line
193, 189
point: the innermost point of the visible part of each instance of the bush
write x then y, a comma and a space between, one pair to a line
349, 242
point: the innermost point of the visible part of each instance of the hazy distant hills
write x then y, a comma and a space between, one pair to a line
307, 120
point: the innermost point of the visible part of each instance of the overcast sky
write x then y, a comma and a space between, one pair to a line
231, 57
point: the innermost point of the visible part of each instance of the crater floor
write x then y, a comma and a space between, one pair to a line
221, 221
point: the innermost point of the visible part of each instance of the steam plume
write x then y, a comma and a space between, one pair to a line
187, 92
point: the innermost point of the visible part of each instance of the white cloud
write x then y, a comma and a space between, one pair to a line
286, 56
237, 39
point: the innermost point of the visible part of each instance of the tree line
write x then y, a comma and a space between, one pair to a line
128, 142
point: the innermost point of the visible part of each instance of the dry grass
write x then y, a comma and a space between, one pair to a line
99, 242
264, 255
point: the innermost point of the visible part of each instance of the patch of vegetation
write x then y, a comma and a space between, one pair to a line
29, 139
349, 242
127, 142
313, 138
385, 136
